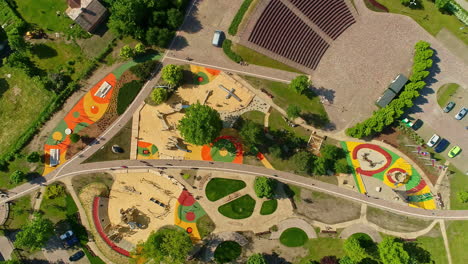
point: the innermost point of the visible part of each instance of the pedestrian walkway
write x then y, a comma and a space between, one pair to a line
294, 222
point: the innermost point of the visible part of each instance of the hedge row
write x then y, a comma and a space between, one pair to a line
227, 45
458, 11
387, 115
9, 18
238, 17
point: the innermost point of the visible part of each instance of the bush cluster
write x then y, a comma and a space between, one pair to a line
145, 69
238, 17
227, 45
387, 115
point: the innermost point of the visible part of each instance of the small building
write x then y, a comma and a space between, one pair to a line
87, 13
392, 91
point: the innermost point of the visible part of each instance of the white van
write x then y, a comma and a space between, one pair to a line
217, 38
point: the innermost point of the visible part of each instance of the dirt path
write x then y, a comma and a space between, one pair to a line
446, 243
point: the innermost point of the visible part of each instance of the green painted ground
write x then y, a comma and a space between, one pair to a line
293, 237
218, 188
238, 209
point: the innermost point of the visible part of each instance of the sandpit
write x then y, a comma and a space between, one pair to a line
135, 190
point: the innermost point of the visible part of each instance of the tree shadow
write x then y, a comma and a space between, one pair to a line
192, 24
274, 258
315, 120
43, 51
180, 43
328, 94
417, 253
4, 86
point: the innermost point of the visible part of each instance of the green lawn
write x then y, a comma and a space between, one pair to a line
269, 207
20, 104
43, 14
19, 213
435, 246
238, 209
24, 166
458, 240
277, 122
445, 92
312, 108
321, 247
293, 237
218, 188
429, 18
255, 116
458, 182
58, 208
123, 139
253, 57
227, 251
205, 225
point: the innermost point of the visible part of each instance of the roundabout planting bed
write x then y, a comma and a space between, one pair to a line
218, 188
227, 251
238, 209
269, 207
293, 237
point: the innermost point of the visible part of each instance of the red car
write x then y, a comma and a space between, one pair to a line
125, 167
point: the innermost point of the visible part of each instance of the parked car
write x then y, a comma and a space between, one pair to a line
71, 242
449, 107
417, 124
461, 114
66, 235
443, 144
454, 151
217, 38
433, 140
77, 256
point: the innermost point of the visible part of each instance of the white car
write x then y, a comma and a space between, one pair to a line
67, 235
434, 139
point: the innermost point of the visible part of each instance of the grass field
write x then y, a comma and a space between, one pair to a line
253, 57
269, 207
58, 208
20, 104
429, 17
240, 208
435, 246
276, 122
321, 247
445, 92
218, 188
19, 213
255, 116
43, 14
24, 166
123, 139
458, 182
293, 237
458, 240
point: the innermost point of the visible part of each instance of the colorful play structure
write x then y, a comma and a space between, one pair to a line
369, 160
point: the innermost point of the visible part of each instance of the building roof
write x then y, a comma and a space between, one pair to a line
386, 98
88, 15
398, 83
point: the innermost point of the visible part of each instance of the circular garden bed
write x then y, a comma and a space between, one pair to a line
293, 237
240, 208
227, 251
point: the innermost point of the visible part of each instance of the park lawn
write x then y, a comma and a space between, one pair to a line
321, 247
276, 122
429, 17
123, 139
435, 246
458, 240
445, 92
458, 182
284, 96
24, 166
293, 237
269, 207
254, 116
58, 208
252, 57
43, 14
240, 208
20, 104
19, 213
218, 188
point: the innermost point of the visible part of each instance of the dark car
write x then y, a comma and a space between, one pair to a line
443, 144
77, 256
71, 242
417, 124
449, 107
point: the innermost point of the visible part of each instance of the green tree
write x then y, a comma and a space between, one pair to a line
200, 125
164, 37
126, 52
139, 49
331, 152
442, 4
3, 165
346, 260
320, 167
256, 259
391, 251
126, 16
16, 41
19, 60
303, 161
74, 137
342, 166
251, 133
354, 250
35, 233
463, 196
33, 157
11, 261
300, 84
174, 18
275, 151
159, 95
167, 245
172, 74
54, 191
293, 111
265, 187
17, 176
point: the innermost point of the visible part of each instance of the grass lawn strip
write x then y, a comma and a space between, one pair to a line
218, 188
293, 237
254, 116
435, 246
276, 122
458, 182
321, 247
238, 209
445, 92
269, 207
458, 240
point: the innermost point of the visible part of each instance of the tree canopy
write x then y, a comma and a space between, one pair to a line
300, 84
167, 245
172, 74
200, 125
463, 196
159, 95
17, 176
265, 187
303, 161
256, 259
354, 250
33, 157
35, 233
293, 111
74, 137
251, 133
392, 251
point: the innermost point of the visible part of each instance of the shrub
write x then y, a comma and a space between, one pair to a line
172, 74
126, 52
17, 176
238, 17
463, 196
159, 95
74, 137
139, 49
54, 190
265, 187
33, 157
300, 84
227, 48
127, 93
145, 69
